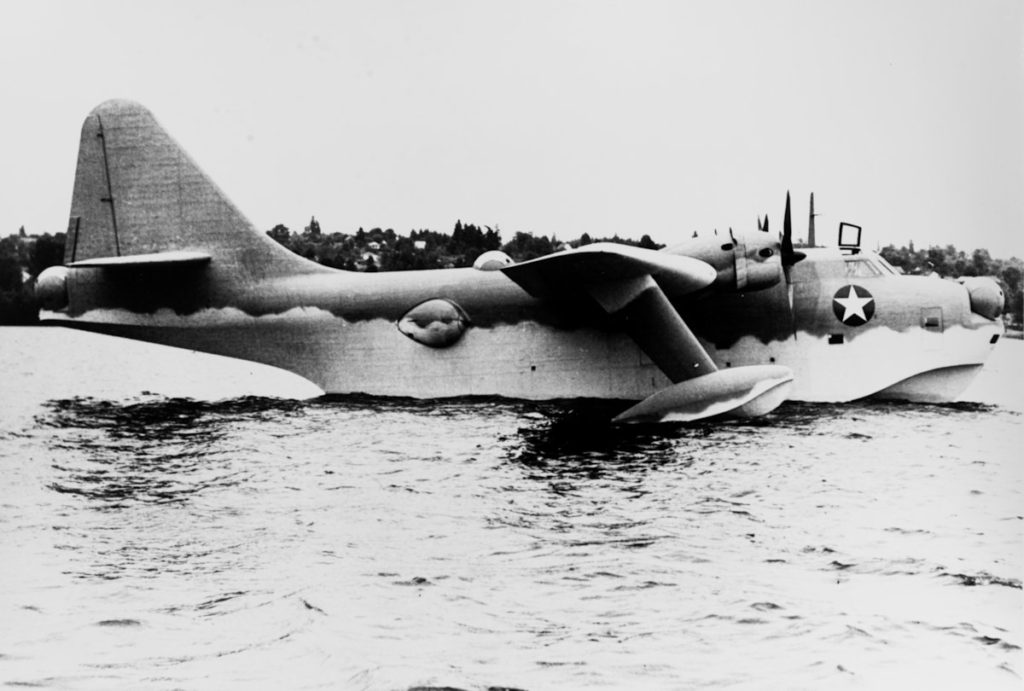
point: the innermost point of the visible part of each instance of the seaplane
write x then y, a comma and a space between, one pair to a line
729, 325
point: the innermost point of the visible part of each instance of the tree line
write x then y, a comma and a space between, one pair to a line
24, 257
384, 250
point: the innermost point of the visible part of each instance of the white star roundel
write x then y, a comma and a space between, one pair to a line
853, 305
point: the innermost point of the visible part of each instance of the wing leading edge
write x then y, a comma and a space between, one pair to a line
638, 286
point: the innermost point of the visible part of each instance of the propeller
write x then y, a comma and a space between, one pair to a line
790, 256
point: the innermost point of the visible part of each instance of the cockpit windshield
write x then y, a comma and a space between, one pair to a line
867, 267
861, 268
887, 266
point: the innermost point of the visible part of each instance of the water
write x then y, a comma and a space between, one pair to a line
172, 520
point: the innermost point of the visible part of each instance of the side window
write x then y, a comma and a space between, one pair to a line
861, 268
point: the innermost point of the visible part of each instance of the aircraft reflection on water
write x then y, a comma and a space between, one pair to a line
719, 326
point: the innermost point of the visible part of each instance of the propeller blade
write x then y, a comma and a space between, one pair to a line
789, 255
789, 258
787, 230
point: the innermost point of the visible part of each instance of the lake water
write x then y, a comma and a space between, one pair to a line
170, 520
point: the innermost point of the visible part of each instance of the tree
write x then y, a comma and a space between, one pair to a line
46, 251
280, 234
647, 243
981, 263
1012, 278
17, 303
525, 246
492, 238
10, 273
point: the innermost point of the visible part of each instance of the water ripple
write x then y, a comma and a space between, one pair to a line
483, 544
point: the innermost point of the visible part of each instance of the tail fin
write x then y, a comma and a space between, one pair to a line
138, 193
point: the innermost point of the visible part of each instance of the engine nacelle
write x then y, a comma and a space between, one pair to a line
743, 263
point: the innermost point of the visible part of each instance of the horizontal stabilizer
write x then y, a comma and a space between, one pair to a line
177, 258
573, 271
736, 392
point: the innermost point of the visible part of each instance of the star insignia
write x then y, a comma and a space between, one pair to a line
853, 305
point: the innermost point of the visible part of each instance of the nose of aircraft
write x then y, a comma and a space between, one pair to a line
987, 297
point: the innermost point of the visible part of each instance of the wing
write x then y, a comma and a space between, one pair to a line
635, 284
638, 286
569, 272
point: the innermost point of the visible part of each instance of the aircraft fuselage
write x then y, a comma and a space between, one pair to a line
713, 326
904, 337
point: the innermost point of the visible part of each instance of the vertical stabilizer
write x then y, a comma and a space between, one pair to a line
137, 192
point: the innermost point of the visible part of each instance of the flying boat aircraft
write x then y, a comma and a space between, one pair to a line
722, 325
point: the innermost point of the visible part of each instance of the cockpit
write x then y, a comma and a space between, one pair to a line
868, 266
860, 264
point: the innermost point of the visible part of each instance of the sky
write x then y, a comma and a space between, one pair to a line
557, 117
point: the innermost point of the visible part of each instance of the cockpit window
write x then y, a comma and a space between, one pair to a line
886, 266
862, 268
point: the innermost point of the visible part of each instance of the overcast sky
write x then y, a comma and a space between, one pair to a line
906, 117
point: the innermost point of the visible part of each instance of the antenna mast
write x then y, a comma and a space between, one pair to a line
810, 225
